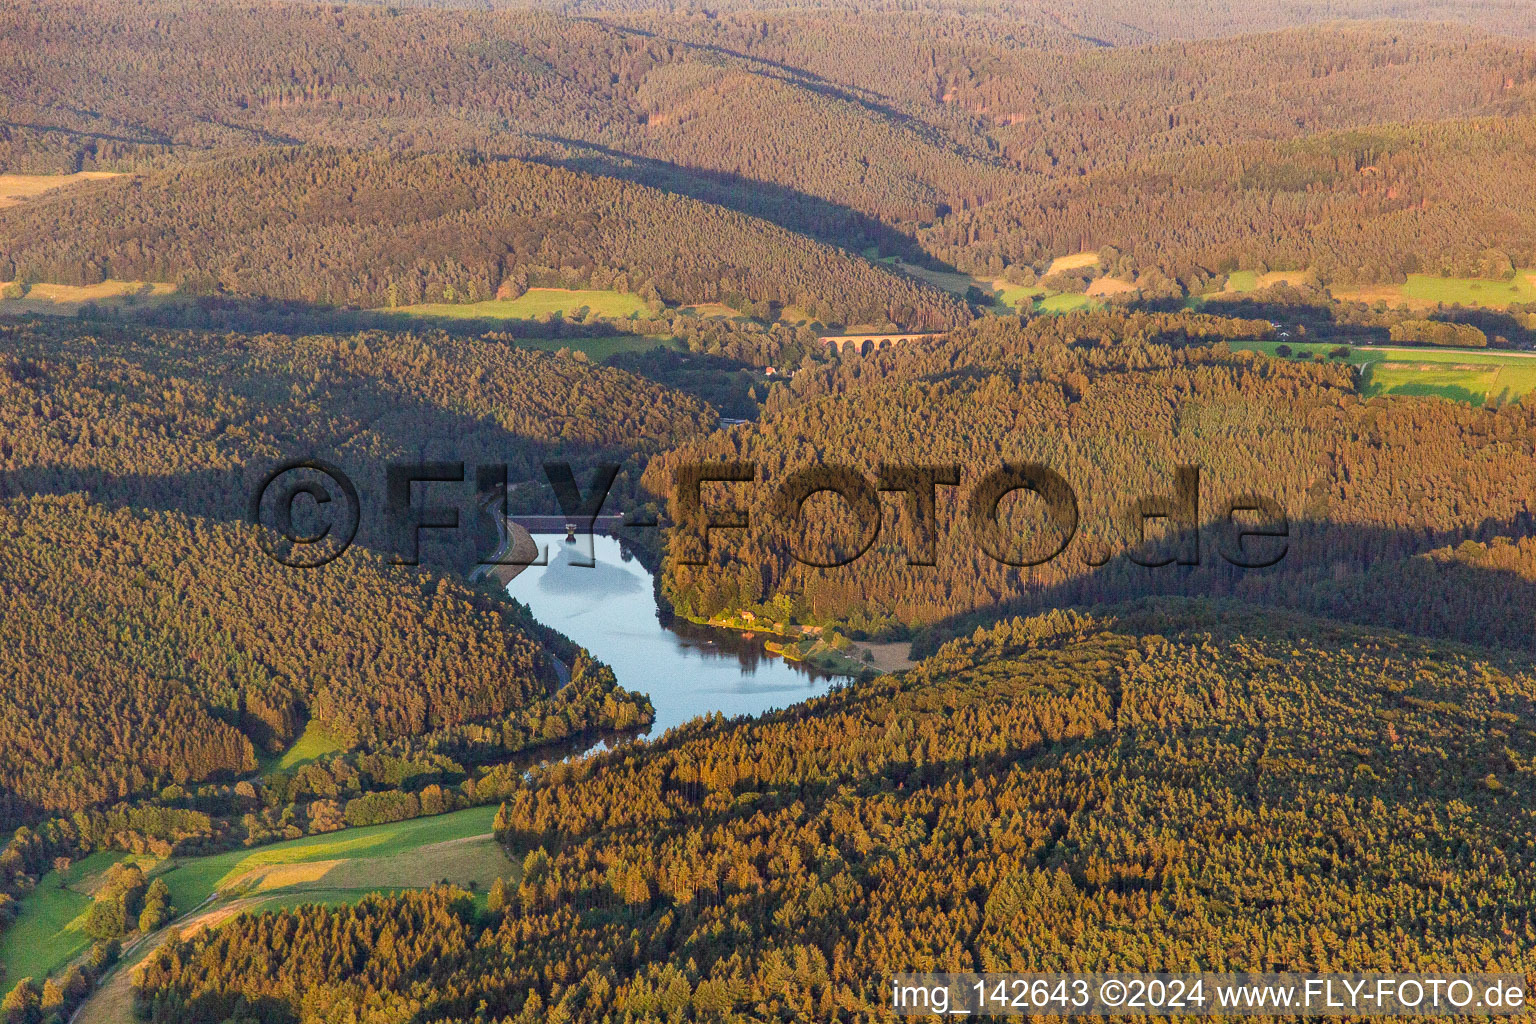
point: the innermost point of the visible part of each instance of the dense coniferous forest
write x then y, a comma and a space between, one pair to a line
1176, 786
129, 457
190, 419
378, 230
1357, 207
1114, 404
975, 142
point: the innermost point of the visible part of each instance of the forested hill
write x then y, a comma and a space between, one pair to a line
381, 229
1358, 207
851, 127
189, 420
510, 82
1114, 403
1097, 22
1172, 786
147, 639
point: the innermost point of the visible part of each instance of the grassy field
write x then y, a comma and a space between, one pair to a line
1016, 295
1074, 261
1462, 375
1102, 287
1240, 281
1011, 296
403, 855
568, 302
336, 868
313, 745
707, 310
65, 299
1470, 291
1459, 382
48, 933
1064, 302
1426, 291
15, 188
794, 316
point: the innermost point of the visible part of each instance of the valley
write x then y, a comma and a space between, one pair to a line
1062, 477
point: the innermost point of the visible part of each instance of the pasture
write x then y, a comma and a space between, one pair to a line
17, 188
1106, 286
1016, 296
334, 869
403, 855
1065, 302
1464, 375
314, 744
338, 867
1426, 291
1242, 281
714, 310
569, 303
48, 934
66, 299
794, 316
1470, 291
1072, 261
1009, 297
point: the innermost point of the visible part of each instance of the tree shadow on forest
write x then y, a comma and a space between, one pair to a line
788, 74
368, 428
789, 208
286, 316
1364, 575
726, 384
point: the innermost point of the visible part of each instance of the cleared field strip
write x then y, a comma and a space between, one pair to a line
50, 931
403, 855
569, 303
55, 299
1427, 291
17, 188
1073, 261
1460, 374
1013, 296
334, 868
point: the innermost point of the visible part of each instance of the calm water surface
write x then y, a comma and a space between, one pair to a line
687, 670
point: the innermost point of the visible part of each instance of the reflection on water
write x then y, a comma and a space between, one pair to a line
687, 670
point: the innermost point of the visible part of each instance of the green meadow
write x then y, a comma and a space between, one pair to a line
403, 855
571, 304
1242, 281
1065, 302
336, 868
1461, 375
48, 934
308, 748
567, 302
1004, 296
1470, 291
